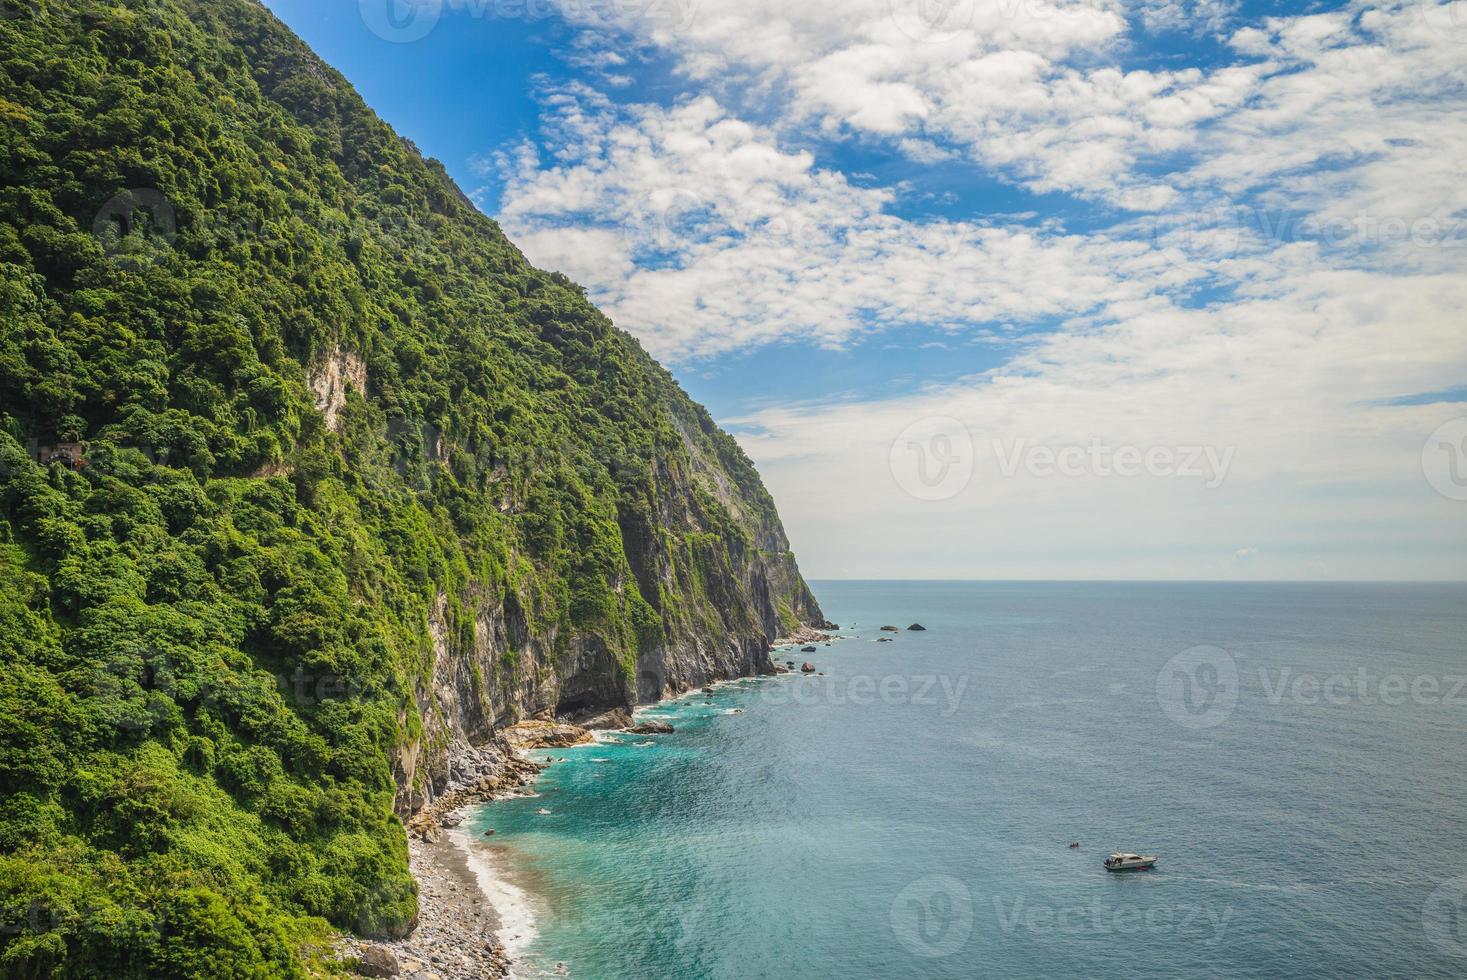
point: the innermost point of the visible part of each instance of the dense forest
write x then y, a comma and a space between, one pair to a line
284, 421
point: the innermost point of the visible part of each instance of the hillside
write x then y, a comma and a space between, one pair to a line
307, 480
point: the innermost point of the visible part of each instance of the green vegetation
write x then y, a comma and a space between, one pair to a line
212, 634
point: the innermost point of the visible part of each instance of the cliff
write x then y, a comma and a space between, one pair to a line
346, 486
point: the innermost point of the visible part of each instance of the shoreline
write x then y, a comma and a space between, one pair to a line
514, 912
474, 919
457, 935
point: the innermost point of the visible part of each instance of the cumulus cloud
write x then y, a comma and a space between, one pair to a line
1273, 264
699, 232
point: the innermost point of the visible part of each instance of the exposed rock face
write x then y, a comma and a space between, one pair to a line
806, 634
614, 720
651, 728
329, 378
722, 596
917, 628
545, 735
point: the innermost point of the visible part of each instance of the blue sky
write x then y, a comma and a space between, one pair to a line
471, 87
910, 250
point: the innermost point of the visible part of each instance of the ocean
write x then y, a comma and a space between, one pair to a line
1293, 753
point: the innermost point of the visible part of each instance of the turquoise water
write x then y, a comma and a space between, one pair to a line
908, 814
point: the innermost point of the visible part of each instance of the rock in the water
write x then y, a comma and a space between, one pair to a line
890, 629
651, 728
884, 639
539, 734
489, 832
614, 720
378, 961
917, 628
807, 649
807, 668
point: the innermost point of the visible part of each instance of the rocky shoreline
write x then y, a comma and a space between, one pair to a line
458, 934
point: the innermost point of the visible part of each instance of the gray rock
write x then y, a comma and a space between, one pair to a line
609, 721
378, 961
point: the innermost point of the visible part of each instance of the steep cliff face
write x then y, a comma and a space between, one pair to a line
357, 486
722, 598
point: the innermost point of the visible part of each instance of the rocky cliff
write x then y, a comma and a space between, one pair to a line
347, 486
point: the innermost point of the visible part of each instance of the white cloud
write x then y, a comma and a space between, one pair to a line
1290, 385
697, 231
1312, 187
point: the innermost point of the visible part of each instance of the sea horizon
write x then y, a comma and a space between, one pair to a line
1013, 722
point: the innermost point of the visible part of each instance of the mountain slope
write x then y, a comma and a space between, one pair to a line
307, 477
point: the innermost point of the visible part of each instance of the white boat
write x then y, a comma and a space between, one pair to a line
1125, 861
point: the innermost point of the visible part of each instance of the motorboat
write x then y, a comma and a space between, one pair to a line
1125, 861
